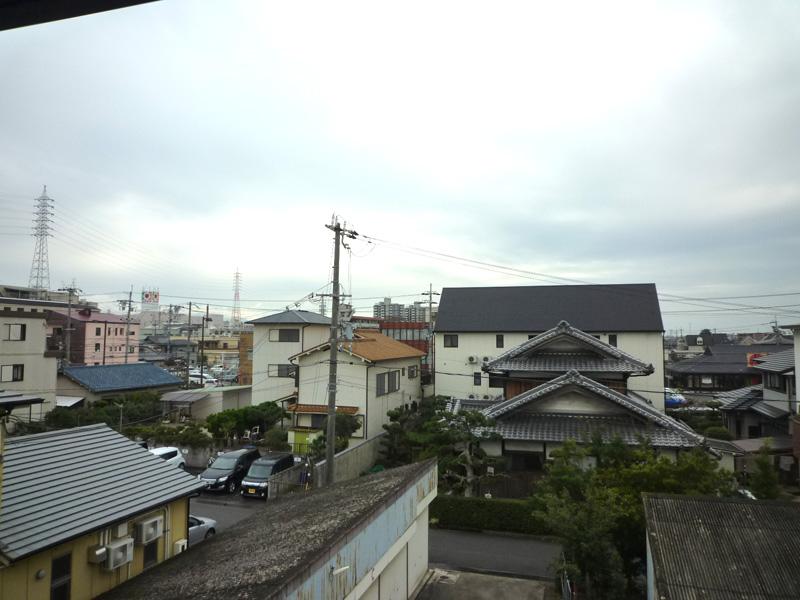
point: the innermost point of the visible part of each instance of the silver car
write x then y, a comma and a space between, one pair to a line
200, 528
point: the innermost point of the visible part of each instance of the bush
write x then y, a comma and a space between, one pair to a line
720, 433
275, 439
477, 514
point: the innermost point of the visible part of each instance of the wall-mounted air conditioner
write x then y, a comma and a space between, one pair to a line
118, 552
472, 359
486, 359
180, 546
149, 530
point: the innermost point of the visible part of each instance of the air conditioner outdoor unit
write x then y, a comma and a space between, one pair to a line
180, 546
487, 359
118, 552
97, 554
472, 359
472, 396
149, 530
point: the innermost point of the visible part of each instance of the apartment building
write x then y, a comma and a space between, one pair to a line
97, 338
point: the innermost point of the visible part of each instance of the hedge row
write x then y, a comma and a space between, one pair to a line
477, 514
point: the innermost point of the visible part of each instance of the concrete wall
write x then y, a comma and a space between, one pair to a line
454, 372
265, 352
39, 372
385, 558
354, 461
19, 582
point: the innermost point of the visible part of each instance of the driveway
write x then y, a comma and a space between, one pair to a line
493, 553
226, 510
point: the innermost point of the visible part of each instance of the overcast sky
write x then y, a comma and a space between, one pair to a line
612, 142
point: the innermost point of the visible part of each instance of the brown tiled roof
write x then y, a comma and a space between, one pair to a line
373, 346
321, 409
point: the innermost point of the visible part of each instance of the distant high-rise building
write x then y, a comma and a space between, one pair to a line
388, 310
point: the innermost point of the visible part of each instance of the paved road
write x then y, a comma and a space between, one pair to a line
492, 553
226, 509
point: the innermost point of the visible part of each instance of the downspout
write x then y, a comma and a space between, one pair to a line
366, 403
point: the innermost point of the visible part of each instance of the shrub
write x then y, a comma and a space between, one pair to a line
275, 439
720, 433
477, 514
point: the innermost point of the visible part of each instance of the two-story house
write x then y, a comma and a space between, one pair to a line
375, 374
276, 338
475, 325
26, 364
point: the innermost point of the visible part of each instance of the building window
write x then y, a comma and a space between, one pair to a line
97, 347
131, 349
499, 341
775, 382
476, 379
386, 383
284, 335
60, 577
151, 554
318, 421
98, 331
612, 339
12, 373
14, 332
495, 382
281, 370
413, 372
451, 340
531, 336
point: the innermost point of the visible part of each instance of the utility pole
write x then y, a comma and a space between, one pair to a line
431, 350
127, 303
330, 446
71, 290
203, 347
189, 345
169, 332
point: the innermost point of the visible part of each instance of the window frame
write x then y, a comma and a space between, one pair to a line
499, 340
477, 378
152, 549
16, 373
63, 580
289, 370
450, 340
278, 334
17, 337
613, 340
413, 372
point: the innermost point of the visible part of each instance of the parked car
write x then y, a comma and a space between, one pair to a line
673, 399
201, 528
171, 455
254, 484
228, 470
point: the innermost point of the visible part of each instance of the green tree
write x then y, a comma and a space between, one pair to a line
764, 481
346, 426
276, 439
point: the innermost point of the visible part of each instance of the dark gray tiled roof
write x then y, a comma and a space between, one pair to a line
293, 317
263, 555
724, 359
652, 419
730, 395
780, 362
720, 549
596, 308
62, 484
533, 355
560, 428
109, 378
750, 398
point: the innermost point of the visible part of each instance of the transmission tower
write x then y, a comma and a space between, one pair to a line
40, 267
236, 315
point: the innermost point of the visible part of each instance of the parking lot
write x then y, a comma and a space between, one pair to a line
225, 509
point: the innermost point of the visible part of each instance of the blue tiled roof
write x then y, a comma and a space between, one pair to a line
107, 378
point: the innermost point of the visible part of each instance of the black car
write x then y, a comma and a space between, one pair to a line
254, 484
228, 469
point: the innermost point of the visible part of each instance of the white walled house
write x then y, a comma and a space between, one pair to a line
476, 325
26, 364
375, 374
276, 338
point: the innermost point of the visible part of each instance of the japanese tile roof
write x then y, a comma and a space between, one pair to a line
370, 345
723, 548
777, 443
293, 317
780, 362
750, 398
55, 488
560, 428
597, 308
723, 446
320, 409
108, 378
274, 549
724, 359
636, 405
592, 355
731, 395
